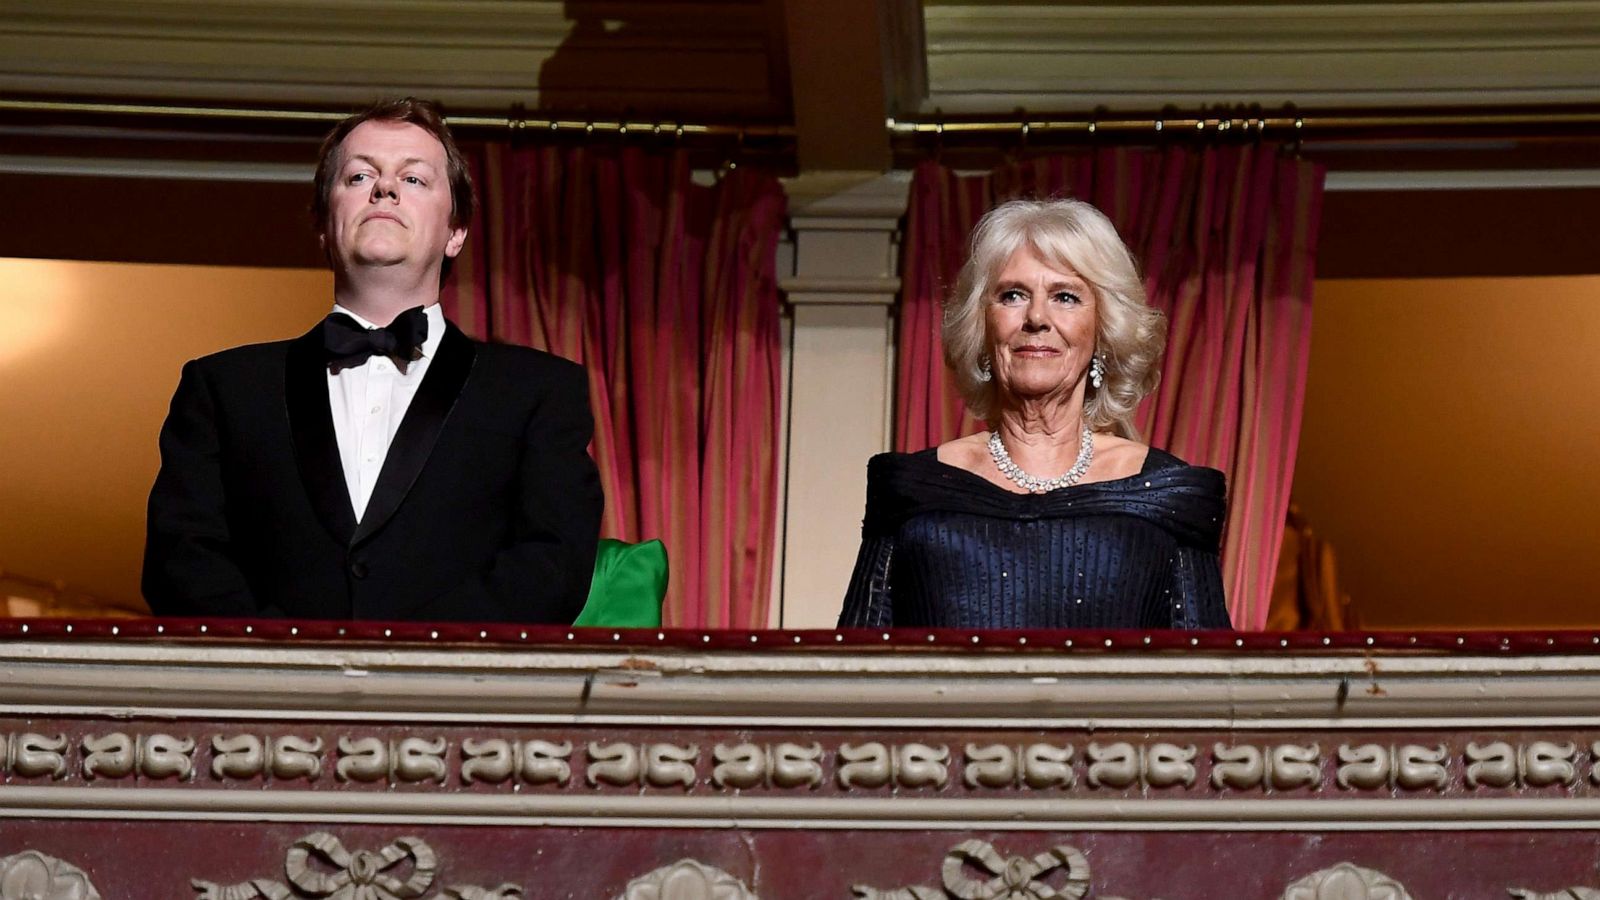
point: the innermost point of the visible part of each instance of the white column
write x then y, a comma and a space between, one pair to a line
841, 292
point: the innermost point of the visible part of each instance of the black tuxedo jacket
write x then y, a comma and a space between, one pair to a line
487, 507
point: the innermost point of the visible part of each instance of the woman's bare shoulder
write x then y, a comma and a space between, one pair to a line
1117, 457
965, 452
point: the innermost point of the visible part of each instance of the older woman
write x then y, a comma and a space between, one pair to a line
1059, 517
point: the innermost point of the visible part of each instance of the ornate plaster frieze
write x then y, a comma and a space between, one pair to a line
1157, 765
1275, 767
1414, 767
31, 875
282, 757
319, 866
1346, 882
1034, 765
876, 765
686, 879
975, 870
1534, 764
654, 765
31, 755
118, 755
409, 759
837, 763
784, 765
535, 761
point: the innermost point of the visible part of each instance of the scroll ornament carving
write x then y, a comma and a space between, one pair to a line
34, 755
1013, 878
686, 879
1034, 765
246, 756
1411, 766
1278, 767
118, 755
31, 875
534, 762
658, 765
1536, 764
873, 765
1346, 882
409, 759
319, 866
1122, 765
783, 765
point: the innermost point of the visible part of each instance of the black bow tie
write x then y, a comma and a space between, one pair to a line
350, 344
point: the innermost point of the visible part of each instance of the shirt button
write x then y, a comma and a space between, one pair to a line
358, 569
377, 409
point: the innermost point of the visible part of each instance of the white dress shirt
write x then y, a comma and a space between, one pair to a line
368, 403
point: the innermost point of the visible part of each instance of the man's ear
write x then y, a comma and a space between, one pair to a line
458, 239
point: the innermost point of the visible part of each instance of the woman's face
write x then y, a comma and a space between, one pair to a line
1041, 324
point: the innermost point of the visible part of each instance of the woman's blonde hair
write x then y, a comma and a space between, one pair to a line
1065, 234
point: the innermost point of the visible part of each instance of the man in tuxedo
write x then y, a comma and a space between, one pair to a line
382, 466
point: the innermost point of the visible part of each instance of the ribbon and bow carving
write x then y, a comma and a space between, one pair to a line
362, 875
1017, 877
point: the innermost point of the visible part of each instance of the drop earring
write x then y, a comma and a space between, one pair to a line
984, 371
1097, 372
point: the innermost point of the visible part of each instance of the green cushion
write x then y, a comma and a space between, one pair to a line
630, 581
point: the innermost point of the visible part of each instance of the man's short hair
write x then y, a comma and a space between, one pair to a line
424, 114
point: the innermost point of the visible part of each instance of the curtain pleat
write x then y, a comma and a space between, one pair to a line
666, 291
1226, 239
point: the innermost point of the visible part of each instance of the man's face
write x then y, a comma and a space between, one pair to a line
390, 200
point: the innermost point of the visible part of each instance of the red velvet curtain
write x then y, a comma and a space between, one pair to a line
666, 291
1226, 238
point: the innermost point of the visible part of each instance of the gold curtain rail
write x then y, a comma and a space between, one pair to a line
513, 121
1244, 122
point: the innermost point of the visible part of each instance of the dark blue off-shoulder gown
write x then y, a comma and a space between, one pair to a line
944, 548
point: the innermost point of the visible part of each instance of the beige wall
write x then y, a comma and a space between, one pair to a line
89, 356
1451, 448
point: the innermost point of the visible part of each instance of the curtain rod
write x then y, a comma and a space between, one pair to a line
1288, 123
1242, 120
515, 121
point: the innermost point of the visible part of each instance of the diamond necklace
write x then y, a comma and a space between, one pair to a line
1032, 483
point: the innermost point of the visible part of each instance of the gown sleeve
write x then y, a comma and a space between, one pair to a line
1196, 592
867, 602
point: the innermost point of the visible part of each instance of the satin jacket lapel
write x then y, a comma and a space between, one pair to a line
316, 448
419, 430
